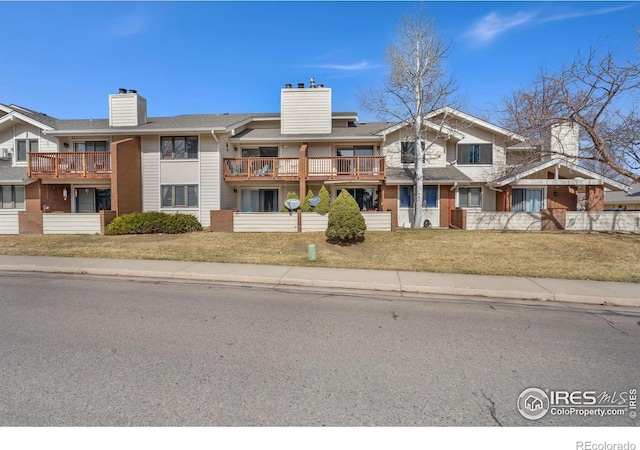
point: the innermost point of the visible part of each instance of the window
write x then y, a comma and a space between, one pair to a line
475, 154
429, 196
24, 146
357, 150
259, 200
11, 197
179, 147
526, 200
260, 152
180, 196
91, 146
470, 197
408, 152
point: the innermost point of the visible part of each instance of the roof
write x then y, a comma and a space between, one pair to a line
631, 196
475, 120
14, 175
450, 174
560, 162
362, 131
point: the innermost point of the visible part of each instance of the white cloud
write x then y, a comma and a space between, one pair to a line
491, 26
364, 65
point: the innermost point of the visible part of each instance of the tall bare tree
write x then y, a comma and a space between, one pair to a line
595, 93
415, 86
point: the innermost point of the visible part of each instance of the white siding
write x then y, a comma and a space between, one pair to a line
615, 221
179, 172
71, 223
127, 110
525, 221
227, 198
9, 222
265, 222
306, 111
150, 173
209, 195
405, 216
314, 221
378, 221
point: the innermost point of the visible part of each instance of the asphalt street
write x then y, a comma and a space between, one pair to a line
99, 351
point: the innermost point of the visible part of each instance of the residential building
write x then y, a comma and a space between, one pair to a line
89, 171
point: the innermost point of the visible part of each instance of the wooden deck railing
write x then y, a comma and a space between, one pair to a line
69, 164
319, 168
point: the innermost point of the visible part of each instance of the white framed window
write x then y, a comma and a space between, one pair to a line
24, 146
91, 146
527, 200
179, 147
474, 154
429, 196
11, 197
470, 197
179, 196
408, 152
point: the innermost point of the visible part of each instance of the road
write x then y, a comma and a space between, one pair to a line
80, 350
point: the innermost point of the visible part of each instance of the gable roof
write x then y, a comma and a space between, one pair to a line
560, 162
631, 196
476, 121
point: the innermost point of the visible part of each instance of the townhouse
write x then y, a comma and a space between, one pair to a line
74, 176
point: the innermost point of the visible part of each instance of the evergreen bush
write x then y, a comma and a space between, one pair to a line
346, 222
153, 222
289, 195
306, 207
325, 201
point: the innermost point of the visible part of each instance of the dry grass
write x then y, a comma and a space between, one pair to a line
592, 256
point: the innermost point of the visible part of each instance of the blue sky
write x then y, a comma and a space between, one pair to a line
64, 58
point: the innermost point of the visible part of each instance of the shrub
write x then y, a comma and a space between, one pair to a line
289, 195
306, 207
346, 223
325, 201
153, 222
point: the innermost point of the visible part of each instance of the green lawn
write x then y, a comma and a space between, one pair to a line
592, 256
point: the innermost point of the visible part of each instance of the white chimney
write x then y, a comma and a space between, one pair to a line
127, 109
561, 140
305, 110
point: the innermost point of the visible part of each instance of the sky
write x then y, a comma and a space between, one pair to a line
65, 58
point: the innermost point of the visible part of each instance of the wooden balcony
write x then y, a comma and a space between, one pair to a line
316, 168
69, 165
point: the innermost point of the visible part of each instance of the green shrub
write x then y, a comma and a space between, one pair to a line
346, 222
306, 207
289, 195
153, 222
325, 201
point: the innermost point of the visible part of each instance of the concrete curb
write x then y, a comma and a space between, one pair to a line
514, 288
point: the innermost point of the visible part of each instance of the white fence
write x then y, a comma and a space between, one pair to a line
71, 223
285, 222
9, 222
488, 220
614, 221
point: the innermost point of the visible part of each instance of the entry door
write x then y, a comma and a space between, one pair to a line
86, 200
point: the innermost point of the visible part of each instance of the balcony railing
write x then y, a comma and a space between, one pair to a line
69, 165
317, 168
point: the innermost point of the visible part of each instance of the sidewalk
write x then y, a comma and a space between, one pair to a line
544, 289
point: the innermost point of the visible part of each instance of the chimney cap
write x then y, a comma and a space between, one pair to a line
287, 86
300, 85
122, 91
132, 91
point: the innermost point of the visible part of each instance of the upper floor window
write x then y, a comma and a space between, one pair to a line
429, 196
91, 146
179, 147
24, 146
356, 150
408, 152
475, 154
180, 196
11, 197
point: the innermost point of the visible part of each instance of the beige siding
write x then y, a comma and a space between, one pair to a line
615, 221
9, 222
127, 110
405, 216
209, 195
71, 223
150, 173
314, 222
228, 198
306, 111
378, 221
265, 222
524, 221
179, 171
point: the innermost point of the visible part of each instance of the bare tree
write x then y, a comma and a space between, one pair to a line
599, 96
415, 86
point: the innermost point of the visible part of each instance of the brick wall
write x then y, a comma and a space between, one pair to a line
459, 219
51, 195
105, 219
562, 197
390, 203
126, 176
447, 201
594, 200
30, 222
222, 221
32, 197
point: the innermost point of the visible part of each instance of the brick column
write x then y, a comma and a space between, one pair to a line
595, 198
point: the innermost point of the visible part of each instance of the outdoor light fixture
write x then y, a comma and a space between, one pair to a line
556, 193
64, 193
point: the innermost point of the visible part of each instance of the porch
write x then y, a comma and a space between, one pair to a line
314, 168
69, 165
